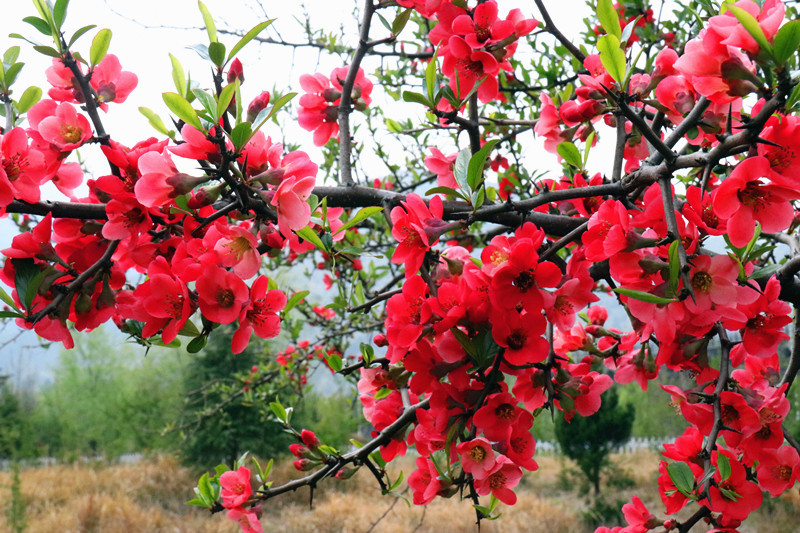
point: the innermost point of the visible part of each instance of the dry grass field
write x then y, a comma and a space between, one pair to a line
149, 497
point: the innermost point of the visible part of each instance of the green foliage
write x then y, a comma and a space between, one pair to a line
16, 505
97, 404
589, 440
335, 419
15, 439
217, 426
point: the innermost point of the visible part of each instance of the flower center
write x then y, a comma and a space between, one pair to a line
477, 454
71, 134
225, 297
701, 281
525, 281
505, 411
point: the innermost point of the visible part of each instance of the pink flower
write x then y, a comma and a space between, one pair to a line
221, 295
247, 520
409, 225
161, 181
477, 457
501, 479
236, 489
110, 82
260, 314
290, 200
442, 166
65, 129
465, 67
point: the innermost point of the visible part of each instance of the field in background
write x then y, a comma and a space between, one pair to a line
149, 497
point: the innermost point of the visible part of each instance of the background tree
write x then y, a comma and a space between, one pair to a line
590, 440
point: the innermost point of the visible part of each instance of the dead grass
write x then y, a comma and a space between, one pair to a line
149, 497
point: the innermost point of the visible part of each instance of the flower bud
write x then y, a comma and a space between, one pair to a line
182, 183
304, 465
380, 340
345, 473
236, 71
309, 439
259, 102
205, 196
300, 451
331, 95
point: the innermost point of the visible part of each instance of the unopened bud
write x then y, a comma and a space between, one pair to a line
380, 340
273, 176
259, 103
304, 465
331, 95
360, 105
182, 183
236, 71
300, 451
345, 473
205, 196
309, 439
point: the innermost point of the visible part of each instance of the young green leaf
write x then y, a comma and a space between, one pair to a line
400, 21
225, 98
41, 25
609, 18
569, 152
674, 268
409, 96
182, 109
77, 35
216, 53
460, 169
751, 25
249, 36
358, 217
612, 57
47, 50
28, 99
211, 28
60, 13
178, 75
156, 121
309, 235
4, 296
787, 41
724, 466
294, 300
99, 47
682, 476
476, 163
644, 296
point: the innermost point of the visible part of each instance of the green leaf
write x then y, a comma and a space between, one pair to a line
207, 101
476, 162
178, 75
569, 152
793, 98
279, 411
787, 41
444, 190
249, 36
609, 18
11, 314
627, 33
24, 279
394, 126
225, 98
44, 10
430, 78
199, 502
724, 466
400, 21
751, 25
211, 28
5, 297
461, 167
279, 103
681, 475
241, 134
409, 96
60, 13
294, 300
11, 55
77, 35
765, 272
47, 50
205, 488
12, 73
358, 217
334, 361
41, 25
100, 45
612, 57
644, 296
197, 344
309, 235
216, 53
182, 109
155, 121
189, 329
674, 268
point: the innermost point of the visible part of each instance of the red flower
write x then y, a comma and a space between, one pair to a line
501, 479
413, 225
260, 315
221, 295
236, 489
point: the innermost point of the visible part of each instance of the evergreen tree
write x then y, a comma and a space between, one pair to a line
589, 440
